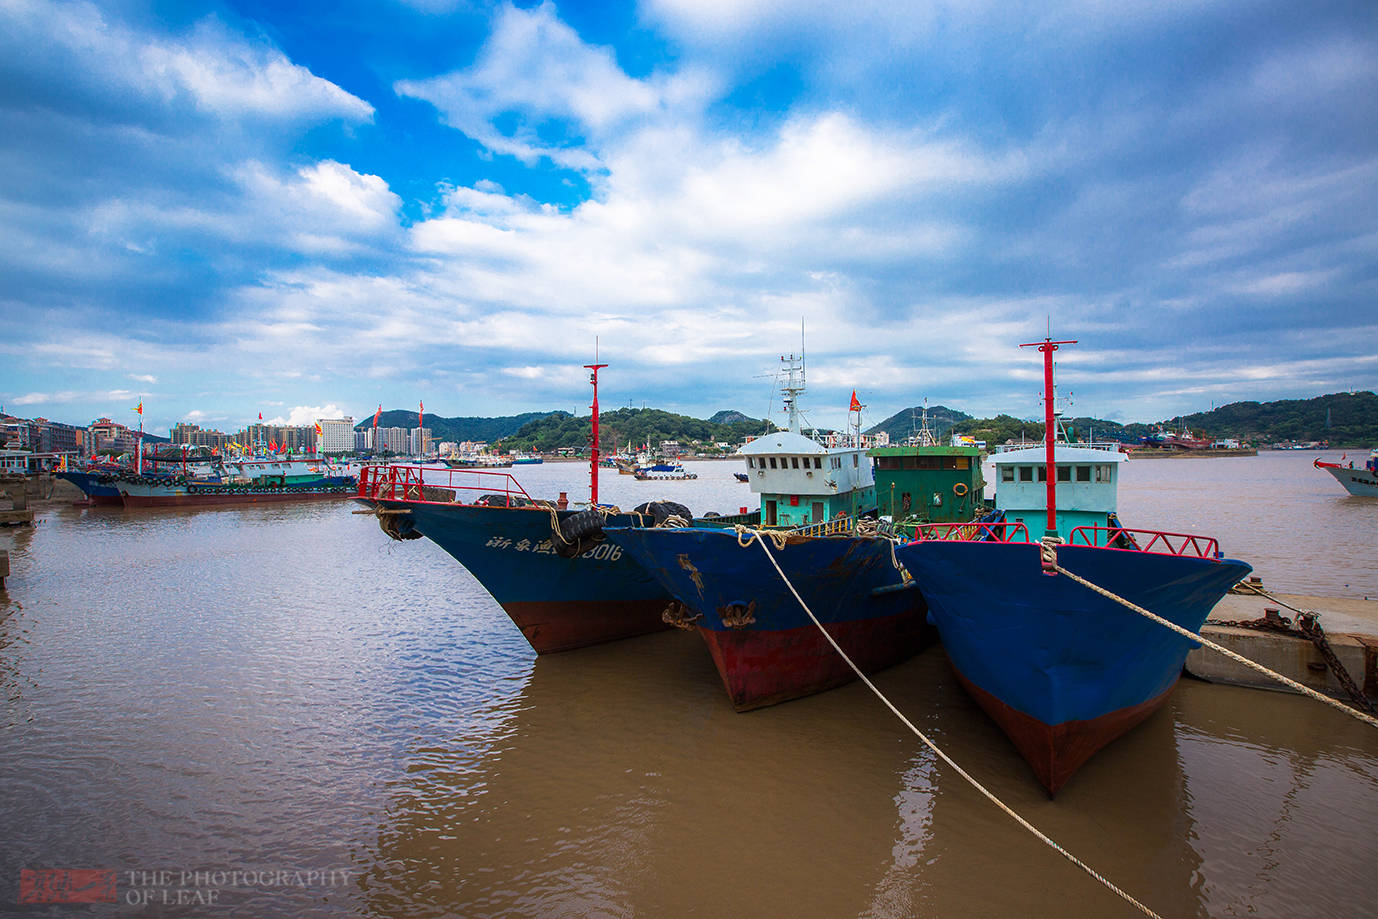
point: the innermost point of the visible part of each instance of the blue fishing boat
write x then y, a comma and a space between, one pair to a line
1061, 669
98, 486
813, 493
548, 566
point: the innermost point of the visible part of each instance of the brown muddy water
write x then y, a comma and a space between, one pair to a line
277, 711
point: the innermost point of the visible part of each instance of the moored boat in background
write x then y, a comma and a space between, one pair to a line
1362, 482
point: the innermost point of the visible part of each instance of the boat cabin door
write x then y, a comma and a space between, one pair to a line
770, 512
817, 516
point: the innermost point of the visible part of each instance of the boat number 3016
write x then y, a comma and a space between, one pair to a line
603, 551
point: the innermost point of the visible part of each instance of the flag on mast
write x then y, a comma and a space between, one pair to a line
856, 404
421, 415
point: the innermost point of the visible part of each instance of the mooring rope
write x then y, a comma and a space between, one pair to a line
1048, 551
746, 534
990, 796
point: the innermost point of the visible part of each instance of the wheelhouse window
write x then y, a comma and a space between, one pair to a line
1007, 473
794, 462
1064, 473
1026, 473
1083, 473
818, 462
1105, 473
772, 462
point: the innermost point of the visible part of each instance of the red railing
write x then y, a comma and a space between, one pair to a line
973, 532
1145, 541
425, 485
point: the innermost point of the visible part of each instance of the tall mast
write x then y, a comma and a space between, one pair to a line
593, 462
793, 386
1048, 346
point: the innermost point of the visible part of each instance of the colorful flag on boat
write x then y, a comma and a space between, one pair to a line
318, 429
856, 404
140, 408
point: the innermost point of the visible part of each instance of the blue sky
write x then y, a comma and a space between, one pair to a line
308, 208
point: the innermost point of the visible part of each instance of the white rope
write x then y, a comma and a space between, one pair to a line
937, 750
1238, 658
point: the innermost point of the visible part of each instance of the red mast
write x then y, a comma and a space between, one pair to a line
1048, 346
593, 465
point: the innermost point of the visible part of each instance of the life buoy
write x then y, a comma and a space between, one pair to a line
960, 489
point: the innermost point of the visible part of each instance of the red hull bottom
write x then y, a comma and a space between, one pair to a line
1056, 751
552, 626
212, 500
761, 668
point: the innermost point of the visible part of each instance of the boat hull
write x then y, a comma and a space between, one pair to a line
559, 604
180, 498
849, 583
96, 491
1360, 482
1062, 670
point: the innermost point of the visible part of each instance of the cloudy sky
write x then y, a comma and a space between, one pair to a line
309, 207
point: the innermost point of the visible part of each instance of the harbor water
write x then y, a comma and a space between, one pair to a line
278, 711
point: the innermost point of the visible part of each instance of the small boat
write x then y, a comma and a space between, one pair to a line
664, 472
813, 494
1061, 669
1360, 482
526, 459
181, 491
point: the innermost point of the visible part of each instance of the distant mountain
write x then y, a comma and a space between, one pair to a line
906, 421
1344, 419
636, 426
457, 429
729, 416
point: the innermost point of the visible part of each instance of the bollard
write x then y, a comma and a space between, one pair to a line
563, 502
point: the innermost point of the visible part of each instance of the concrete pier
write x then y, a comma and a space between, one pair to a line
1351, 627
18, 514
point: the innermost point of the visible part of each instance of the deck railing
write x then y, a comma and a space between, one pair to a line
427, 485
973, 532
1155, 541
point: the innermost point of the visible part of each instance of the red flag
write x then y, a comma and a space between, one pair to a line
377, 414
260, 416
318, 429
273, 445
856, 405
421, 416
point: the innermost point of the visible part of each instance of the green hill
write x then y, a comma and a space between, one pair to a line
907, 421
636, 426
1344, 419
456, 429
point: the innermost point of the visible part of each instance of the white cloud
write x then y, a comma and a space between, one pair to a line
219, 73
308, 414
536, 69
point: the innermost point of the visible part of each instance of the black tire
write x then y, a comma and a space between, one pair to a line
581, 526
658, 511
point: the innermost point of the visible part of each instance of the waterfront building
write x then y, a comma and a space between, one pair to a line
419, 441
363, 440
298, 438
105, 434
393, 440
195, 436
337, 435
